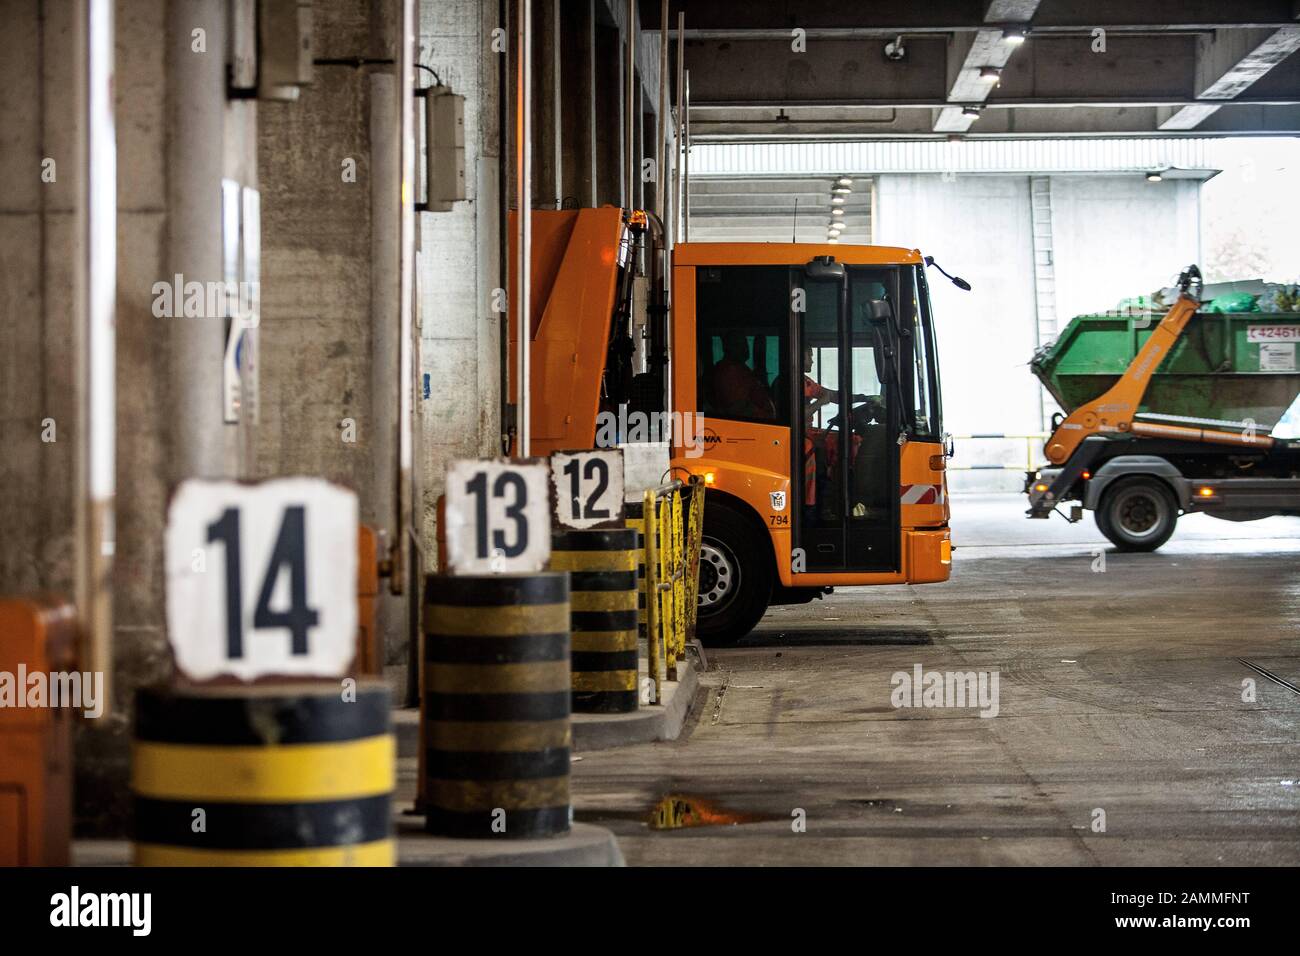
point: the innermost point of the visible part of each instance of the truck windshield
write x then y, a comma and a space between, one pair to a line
918, 382
925, 366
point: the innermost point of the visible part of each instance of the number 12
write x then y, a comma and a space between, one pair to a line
596, 468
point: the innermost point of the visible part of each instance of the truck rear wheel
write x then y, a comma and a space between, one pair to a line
1137, 514
735, 576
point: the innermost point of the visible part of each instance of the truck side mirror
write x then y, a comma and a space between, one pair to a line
883, 354
958, 281
880, 312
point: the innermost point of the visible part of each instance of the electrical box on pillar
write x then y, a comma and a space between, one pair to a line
284, 33
444, 117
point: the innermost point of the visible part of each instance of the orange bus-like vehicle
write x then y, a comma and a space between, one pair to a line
806, 387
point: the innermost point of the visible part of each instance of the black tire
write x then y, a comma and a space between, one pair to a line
736, 575
1137, 514
1099, 516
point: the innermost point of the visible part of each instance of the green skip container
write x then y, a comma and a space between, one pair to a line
1229, 366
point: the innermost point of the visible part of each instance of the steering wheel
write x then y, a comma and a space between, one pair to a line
859, 416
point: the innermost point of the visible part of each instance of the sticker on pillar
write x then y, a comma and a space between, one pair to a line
261, 579
588, 488
250, 305
497, 519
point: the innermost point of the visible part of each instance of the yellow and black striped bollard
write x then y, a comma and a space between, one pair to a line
496, 705
264, 776
603, 601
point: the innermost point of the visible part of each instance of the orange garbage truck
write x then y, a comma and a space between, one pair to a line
799, 380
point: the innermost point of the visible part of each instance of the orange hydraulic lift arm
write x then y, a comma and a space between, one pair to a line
1113, 411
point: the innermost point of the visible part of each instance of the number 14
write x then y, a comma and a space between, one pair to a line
290, 549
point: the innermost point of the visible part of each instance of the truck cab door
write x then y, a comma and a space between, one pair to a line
844, 472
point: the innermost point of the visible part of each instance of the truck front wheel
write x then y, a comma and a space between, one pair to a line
1137, 514
735, 576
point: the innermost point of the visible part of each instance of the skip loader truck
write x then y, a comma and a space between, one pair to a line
1169, 415
802, 382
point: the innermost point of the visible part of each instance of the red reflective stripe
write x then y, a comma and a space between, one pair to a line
919, 494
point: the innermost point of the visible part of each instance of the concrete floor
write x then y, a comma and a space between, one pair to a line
1120, 691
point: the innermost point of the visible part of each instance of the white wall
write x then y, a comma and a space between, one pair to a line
1120, 236
976, 227
1113, 237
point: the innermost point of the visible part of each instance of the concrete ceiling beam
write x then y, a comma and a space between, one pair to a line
986, 49
1228, 63
948, 16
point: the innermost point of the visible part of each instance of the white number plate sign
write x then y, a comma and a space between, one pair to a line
262, 579
588, 488
496, 516
1273, 333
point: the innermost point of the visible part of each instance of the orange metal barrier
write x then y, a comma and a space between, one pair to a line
370, 652
37, 636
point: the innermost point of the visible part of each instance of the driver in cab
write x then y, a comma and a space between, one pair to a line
821, 446
818, 457
737, 388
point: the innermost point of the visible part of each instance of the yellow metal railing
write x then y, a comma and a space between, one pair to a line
673, 517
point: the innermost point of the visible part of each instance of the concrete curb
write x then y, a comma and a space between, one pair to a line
599, 731
647, 723
97, 852
583, 845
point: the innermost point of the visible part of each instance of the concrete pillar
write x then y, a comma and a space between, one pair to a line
644, 136
201, 445
624, 125
460, 263
40, 106
548, 55
646, 151
380, 509
578, 102
609, 112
